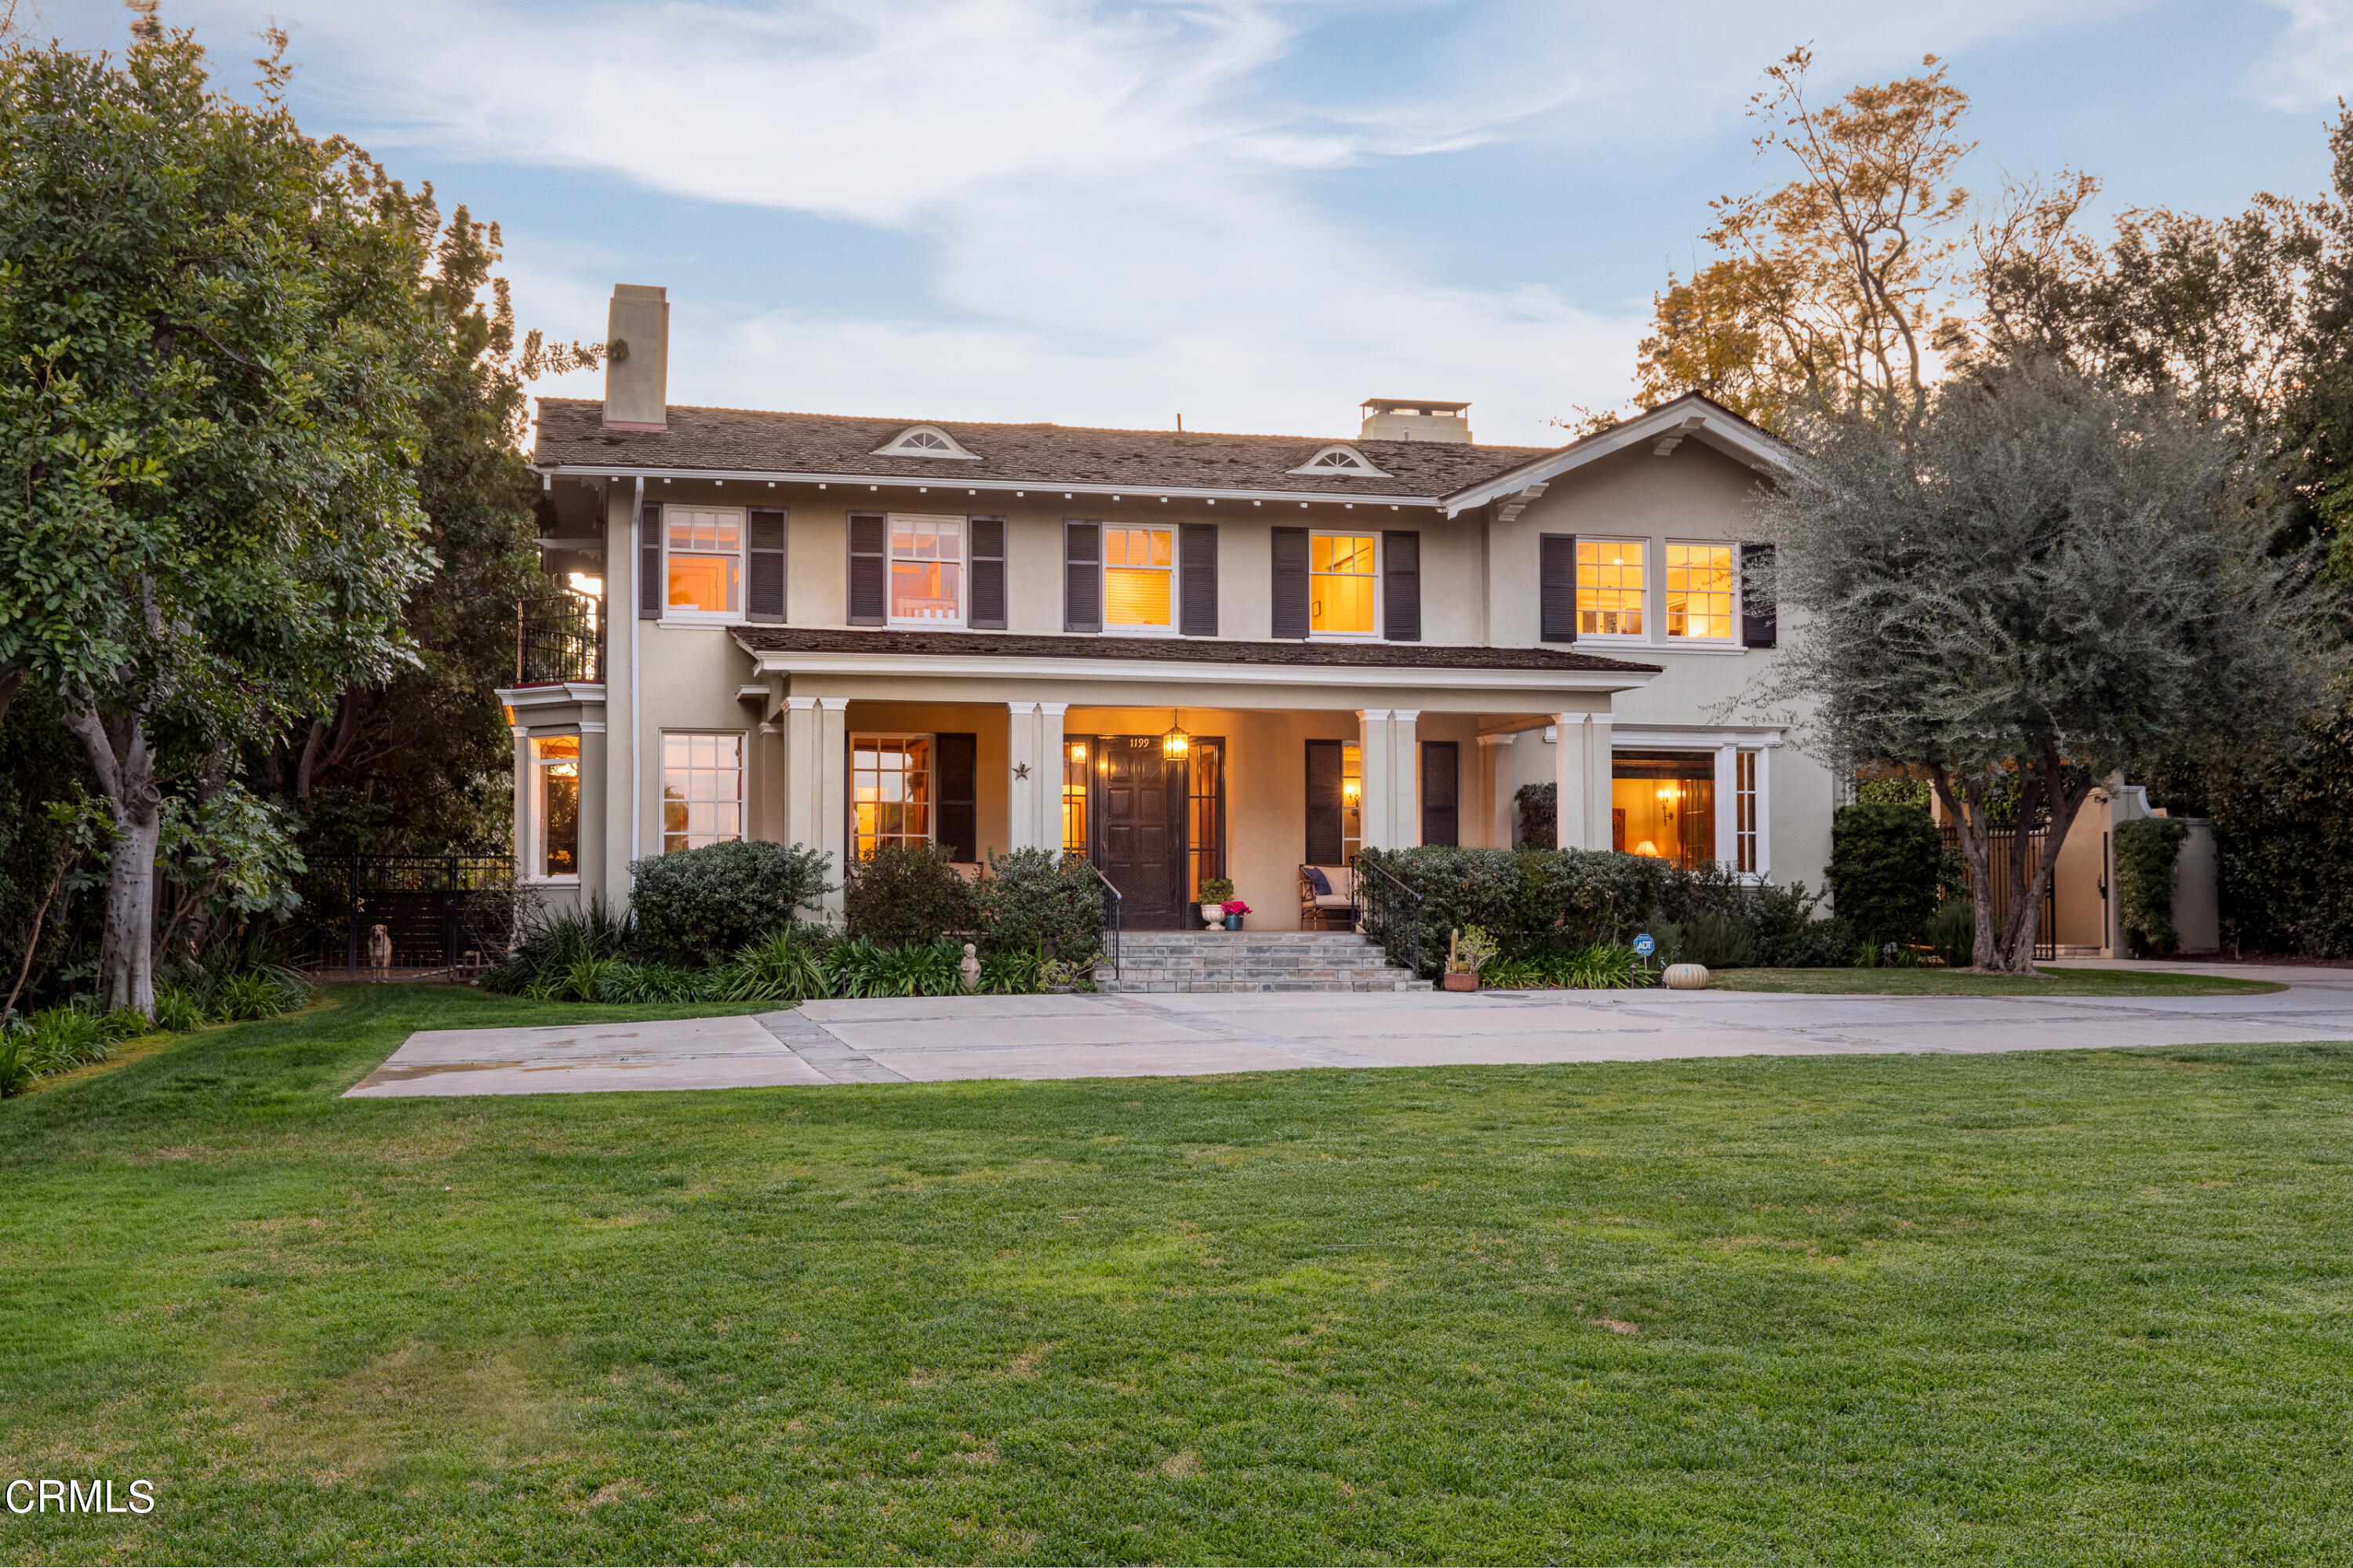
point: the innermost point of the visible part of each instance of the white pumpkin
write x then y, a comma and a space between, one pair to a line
1685, 977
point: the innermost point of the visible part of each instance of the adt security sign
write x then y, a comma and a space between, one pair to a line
1644, 946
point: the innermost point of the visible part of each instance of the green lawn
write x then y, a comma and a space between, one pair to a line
1961, 982
2061, 1308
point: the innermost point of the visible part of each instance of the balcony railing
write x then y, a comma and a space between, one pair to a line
559, 639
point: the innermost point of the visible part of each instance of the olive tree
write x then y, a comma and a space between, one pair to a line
2041, 581
208, 521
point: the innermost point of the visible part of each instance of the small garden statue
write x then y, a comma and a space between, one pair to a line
970, 968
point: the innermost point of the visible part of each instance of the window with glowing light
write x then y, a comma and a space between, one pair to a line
1139, 579
890, 790
1342, 580
1075, 786
557, 765
1609, 588
705, 559
1352, 802
702, 791
1699, 591
1663, 804
926, 570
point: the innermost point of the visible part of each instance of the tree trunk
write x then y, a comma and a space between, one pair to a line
1966, 808
2026, 913
118, 754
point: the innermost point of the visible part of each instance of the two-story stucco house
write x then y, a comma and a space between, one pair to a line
1184, 654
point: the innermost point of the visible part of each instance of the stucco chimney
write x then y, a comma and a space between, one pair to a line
637, 372
1415, 420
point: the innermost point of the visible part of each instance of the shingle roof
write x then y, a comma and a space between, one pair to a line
572, 432
1193, 650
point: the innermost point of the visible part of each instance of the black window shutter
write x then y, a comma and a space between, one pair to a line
959, 825
1324, 768
1556, 575
1289, 597
1441, 791
1401, 585
1760, 623
651, 594
1196, 574
869, 569
986, 611
1081, 575
764, 577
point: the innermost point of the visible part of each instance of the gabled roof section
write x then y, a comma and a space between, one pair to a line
924, 441
572, 437
1340, 458
1692, 416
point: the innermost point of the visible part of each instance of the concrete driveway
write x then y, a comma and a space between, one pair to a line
933, 1039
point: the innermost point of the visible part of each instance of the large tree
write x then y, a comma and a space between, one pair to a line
208, 515
2041, 581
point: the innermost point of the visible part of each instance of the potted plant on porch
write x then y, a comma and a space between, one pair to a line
1214, 891
1235, 909
1469, 949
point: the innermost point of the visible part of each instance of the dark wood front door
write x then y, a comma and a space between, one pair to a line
1140, 842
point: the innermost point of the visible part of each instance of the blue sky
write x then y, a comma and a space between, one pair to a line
1254, 213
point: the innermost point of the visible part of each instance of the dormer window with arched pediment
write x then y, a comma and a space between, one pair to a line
1338, 461
925, 442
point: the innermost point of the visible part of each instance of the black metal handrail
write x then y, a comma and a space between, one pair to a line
558, 638
1116, 902
1377, 893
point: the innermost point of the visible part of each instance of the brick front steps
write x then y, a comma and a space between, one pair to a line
1251, 960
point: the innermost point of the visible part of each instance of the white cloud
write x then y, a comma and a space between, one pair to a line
2312, 65
1113, 191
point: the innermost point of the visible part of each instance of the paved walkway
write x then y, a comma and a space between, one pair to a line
932, 1039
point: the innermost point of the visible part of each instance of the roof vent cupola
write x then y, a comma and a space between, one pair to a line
1415, 420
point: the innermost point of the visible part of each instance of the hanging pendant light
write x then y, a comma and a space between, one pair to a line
1176, 745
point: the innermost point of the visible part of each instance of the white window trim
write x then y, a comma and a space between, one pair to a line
1369, 470
897, 446
1654, 595
1730, 639
1379, 633
931, 818
686, 615
538, 815
1102, 581
964, 573
743, 783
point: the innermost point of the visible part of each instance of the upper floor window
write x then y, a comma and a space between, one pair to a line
1339, 460
926, 570
890, 790
1700, 601
1139, 579
924, 441
1609, 588
702, 791
705, 562
1343, 577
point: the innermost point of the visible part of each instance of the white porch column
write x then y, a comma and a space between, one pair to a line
1598, 802
592, 810
1373, 809
1728, 805
830, 804
803, 791
1046, 780
523, 797
1025, 765
1572, 775
1405, 772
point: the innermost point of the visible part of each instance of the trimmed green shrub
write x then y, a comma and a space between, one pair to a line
1038, 902
2146, 850
1536, 817
1717, 941
908, 893
1886, 862
698, 905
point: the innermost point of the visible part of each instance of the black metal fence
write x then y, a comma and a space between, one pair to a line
2001, 846
439, 913
558, 638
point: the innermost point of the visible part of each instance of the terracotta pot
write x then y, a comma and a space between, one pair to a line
1458, 981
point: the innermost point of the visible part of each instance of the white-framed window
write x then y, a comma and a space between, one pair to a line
1702, 600
703, 551
1611, 581
1747, 839
891, 797
703, 790
1344, 580
1139, 573
555, 808
926, 570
